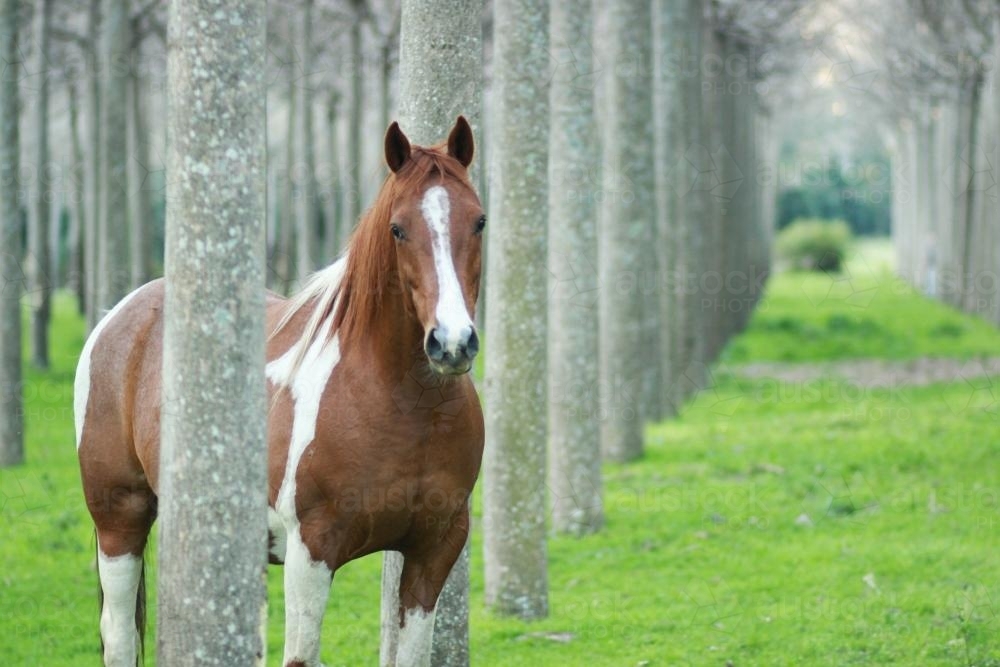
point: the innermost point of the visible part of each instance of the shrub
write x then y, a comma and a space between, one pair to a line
814, 245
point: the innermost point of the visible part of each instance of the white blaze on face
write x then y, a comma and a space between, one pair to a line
453, 321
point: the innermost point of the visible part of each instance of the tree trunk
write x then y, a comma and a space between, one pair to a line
693, 210
114, 268
970, 151
78, 261
352, 189
516, 316
627, 234
332, 239
11, 279
574, 459
213, 500
440, 76
140, 209
285, 263
39, 262
91, 175
305, 167
384, 80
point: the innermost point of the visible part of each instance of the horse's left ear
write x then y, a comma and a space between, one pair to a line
397, 148
461, 145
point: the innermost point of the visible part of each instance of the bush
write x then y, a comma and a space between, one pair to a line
814, 245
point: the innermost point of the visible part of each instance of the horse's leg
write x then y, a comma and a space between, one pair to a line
121, 538
424, 574
307, 587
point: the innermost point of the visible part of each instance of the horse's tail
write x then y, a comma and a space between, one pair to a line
140, 611
140, 604
100, 589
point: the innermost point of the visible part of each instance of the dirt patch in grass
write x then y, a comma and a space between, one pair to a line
877, 372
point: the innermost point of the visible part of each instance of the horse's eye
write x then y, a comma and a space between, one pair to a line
397, 232
480, 224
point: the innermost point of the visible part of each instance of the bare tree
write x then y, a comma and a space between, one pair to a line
627, 232
213, 501
332, 225
681, 201
305, 149
39, 256
91, 175
114, 268
11, 282
574, 457
139, 205
78, 245
355, 109
514, 494
440, 79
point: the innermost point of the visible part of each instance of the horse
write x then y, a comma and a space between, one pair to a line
374, 431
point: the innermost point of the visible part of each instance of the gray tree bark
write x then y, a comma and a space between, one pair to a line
514, 494
213, 501
305, 167
285, 264
352, 189
440, 78
39, 262
78, 264
11, 279
139, 205
332, 224
114, 268
574, 458
681, 200
627, 235
91, 175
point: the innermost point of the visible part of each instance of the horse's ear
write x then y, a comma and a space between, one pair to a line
397, 148
461, 145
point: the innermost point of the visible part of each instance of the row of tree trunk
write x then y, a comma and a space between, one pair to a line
631, 229
946, 221
628, 236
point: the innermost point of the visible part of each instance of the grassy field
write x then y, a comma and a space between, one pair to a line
812, 523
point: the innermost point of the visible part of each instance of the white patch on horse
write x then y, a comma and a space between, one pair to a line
120, 582
307, 389
307, 582
307, 587
415, 638
453, 319
81, 383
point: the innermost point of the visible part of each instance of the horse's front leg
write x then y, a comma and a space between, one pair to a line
424, 574
307, 587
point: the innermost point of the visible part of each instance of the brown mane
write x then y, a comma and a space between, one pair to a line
354, 296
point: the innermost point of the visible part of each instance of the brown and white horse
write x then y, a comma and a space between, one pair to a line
375, 433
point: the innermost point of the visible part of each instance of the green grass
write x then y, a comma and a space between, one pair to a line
863, 312
707, 557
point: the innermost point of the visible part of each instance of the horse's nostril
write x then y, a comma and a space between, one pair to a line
434, 346
472, 345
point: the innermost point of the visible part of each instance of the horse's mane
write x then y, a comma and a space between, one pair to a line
351, 289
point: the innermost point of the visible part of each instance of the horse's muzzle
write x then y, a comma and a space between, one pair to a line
451, 354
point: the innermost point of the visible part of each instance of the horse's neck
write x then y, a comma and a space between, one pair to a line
394, 344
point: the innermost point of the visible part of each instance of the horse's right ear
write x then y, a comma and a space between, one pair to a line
397, 148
